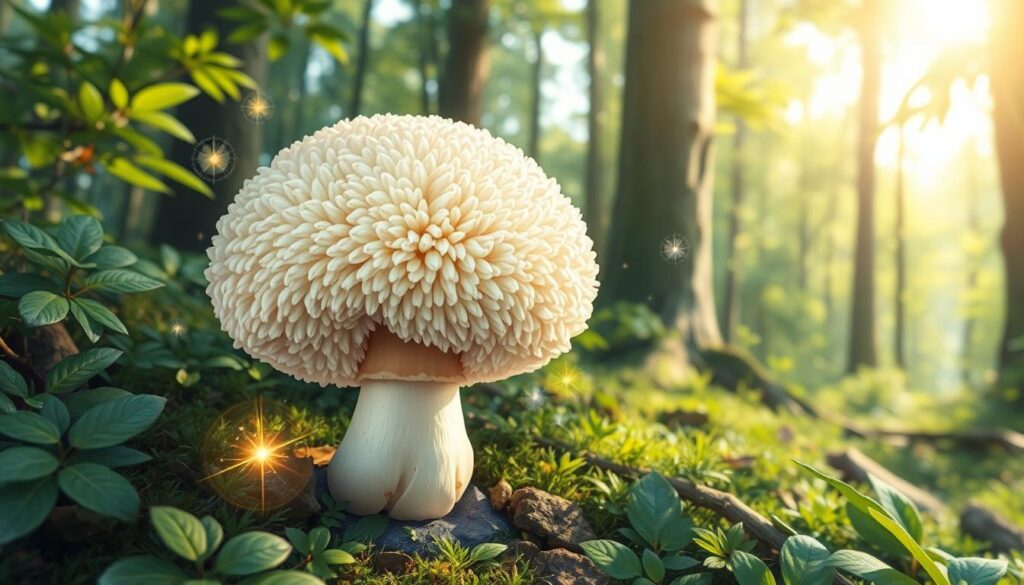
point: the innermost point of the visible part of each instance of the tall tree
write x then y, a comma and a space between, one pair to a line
468, 61
732, 267
862, 351
425, 16
362, 61
665, 168
537, 77
1008, 114
900, 291
594, 203
187, 220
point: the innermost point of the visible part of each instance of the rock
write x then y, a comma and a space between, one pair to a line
392, 562
556, 520
470, 523
523, 549
500, 494
562, 567
683, 418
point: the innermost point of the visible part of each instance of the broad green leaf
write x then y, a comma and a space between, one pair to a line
319, 538
92, 329
214, 535
162, 96
77, 369
332, 46
207, 84
113, 457
679, 562
653, 507
91, 101
42, 308
24, 506
54, 411
182, 532
696, 579
170, 259
29, 427
750, 570
802, 560
121, 281
252, 552
873, 532
99, 489
123, 169
487, 551
867, 567
116, 421
26, 463
118, 94
100, 314
247, 32
112, 257
175, 172
6, 405
11, 382
166, 123
80, 236
299, 540
366, 528
653, 567
36, 240
613, 558
17, 284
899, 506
901, 534
142, 570
976, 571
284, 578
83, 400
336, 556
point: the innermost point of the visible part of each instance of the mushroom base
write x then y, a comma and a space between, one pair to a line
406, 451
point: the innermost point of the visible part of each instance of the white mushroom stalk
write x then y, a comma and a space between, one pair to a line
411, 256
406, 451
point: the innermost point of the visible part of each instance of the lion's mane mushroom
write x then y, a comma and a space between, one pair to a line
410, 256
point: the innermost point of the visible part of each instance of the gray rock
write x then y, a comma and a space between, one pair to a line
473, 521
562, 567
557, 521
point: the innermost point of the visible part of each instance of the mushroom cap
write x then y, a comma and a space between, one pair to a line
434, 230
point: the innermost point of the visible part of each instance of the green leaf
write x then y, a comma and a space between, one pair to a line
613, 558
91, 101
277, 47
123, 169
165, 123
653, 567
11, 382
214, 535
92, 329
695, 579
175, 172
6, 406
332, 46
118, 94
80, 236
653, 507
802, 560
29, 427
750, 570
113, 457
24, 506
284, 578
873, 532
162, 96
252, 552
336, 556
26, 463
42, 308
99, 489
899, 506
867, 567
366, 528
116, 421
319, 538
299, 540
679, 562
182, 532
142, 570
54, 411
112, 257
901, 534
100, 314
202, 78
487, 551
36, 240
83, 400
77, 369
246, 33
121, 280
976, 571
17, 284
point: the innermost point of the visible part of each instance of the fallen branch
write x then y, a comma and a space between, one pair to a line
984, 524
971, 438
856, 466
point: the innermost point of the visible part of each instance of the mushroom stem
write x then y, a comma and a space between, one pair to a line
406, 451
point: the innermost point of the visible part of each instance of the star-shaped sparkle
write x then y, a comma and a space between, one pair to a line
675, 249
257, 107
213, 159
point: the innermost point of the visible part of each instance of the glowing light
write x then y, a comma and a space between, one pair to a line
213, 159
262, 454
178, 328
534, 398
675, 249
257, 107
564, 381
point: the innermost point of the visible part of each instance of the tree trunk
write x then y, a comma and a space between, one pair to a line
362, 59
665, 168
538, 68
862, 350
732, 263
188, 219
900, 294
468, 63
428, 53
1008, 116
974, 229
302, 87
594, 205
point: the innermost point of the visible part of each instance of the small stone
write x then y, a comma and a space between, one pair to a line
559, 522
562, 567
500, 494
521, 549
392, 562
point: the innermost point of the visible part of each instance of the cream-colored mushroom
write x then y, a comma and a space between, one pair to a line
410, 256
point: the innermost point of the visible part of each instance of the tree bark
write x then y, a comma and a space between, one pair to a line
594, 205
984, 524
665, 168
856, 466
537, 77
732, 267
362, 60
428, 53
188, 219
900, 294
1008, 117
862, 351
468, 63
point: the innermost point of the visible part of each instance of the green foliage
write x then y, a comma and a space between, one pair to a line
461, 558
316, 556
620, 327
278, 17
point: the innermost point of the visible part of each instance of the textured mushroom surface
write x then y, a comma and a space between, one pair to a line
437, 231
